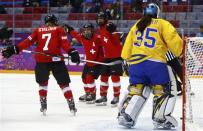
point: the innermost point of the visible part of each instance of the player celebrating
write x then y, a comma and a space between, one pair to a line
94, 52
112, 52
145, 49
50, 39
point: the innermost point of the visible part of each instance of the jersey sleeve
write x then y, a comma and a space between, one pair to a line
28, 41
64, 40
76, 35
172, 39
116, 37
127, 48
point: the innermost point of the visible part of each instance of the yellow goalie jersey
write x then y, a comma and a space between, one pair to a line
153, 43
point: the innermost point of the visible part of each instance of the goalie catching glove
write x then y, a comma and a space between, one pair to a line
75, 58
9, 51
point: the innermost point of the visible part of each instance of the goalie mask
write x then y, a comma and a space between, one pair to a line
88, 31
152, 9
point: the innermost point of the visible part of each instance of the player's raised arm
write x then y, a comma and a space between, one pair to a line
73, 33
15, 49
75, 58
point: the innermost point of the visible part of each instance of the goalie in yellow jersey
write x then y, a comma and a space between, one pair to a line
145, 49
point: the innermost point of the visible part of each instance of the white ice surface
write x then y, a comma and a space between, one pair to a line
19, 108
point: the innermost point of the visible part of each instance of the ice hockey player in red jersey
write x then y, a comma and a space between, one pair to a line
50, 39
112, 52
94, 52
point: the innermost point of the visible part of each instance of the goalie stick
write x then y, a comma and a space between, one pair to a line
67, 57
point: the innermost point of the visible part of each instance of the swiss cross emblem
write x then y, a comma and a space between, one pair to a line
92, 51
105, 39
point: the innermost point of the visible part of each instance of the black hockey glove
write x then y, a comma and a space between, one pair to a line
75, 58
111, 27
67, 28
9, 51
125, 67
5, 33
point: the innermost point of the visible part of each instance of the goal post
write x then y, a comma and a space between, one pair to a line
193, 84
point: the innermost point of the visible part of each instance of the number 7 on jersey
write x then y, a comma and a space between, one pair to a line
48, 37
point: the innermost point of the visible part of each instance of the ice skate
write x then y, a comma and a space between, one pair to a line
43, 102
71, 105
164, 126
169, 123
114, 102
125, 120
101, 101
83, 98
179, 93
90, 99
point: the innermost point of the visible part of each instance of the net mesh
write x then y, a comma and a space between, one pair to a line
194, 84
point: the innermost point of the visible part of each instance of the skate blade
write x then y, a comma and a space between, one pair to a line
82, 100
101, 104
121, 121
125, 125
163, 127
73, 112
44, 112
114, 105
90, 102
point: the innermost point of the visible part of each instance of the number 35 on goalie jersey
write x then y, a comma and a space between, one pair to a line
152, 43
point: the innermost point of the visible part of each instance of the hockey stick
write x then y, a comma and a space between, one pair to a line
121, 34
67, 57
42, 53
117, 32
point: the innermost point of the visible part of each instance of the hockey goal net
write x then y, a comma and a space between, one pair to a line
193, 85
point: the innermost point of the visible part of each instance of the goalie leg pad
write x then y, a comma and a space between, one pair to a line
173, 82
121, 103
163, 106
133, 104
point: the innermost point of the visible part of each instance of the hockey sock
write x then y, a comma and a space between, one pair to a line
116, 85
43, 89
104, 85
66, 91
85, 86
90, 83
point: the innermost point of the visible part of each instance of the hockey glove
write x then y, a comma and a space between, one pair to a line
67, 28
75, 58
125, 67
9, 51
5, 33
111, 27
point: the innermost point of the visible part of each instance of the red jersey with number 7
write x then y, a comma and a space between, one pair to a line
50, 40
